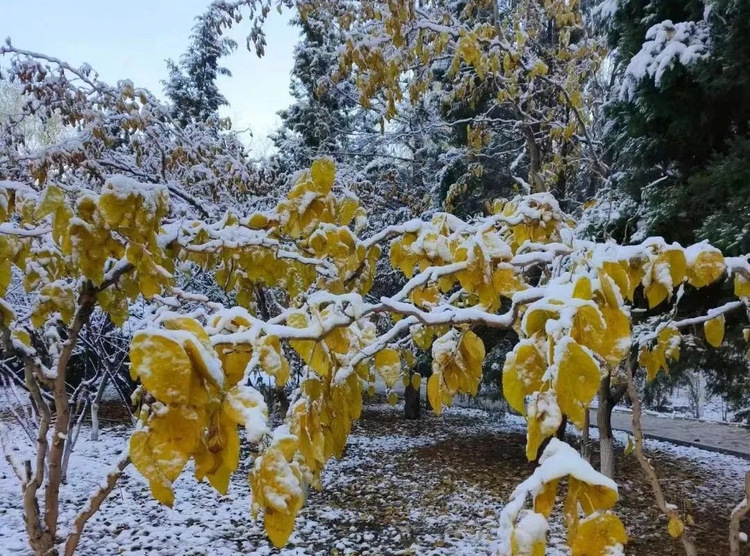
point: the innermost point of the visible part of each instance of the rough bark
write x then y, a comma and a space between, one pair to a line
93, 505
95, 407
62, 413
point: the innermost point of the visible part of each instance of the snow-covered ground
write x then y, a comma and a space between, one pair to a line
435, 486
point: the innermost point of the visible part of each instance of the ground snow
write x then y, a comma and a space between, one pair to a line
381, 498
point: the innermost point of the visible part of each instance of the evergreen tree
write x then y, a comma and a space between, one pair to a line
320, 120
681, 120
191, 86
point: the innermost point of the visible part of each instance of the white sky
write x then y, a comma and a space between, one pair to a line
132, 40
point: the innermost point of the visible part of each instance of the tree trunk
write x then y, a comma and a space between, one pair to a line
95, 407
604, 423
411, 402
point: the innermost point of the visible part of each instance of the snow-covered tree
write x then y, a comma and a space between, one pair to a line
319, 121
680, 118
191, 86
81, 254
107, 220
116, 129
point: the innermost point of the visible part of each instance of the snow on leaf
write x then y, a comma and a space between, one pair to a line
388, 366
601, 534
522, 374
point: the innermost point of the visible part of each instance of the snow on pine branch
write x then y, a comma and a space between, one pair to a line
666, 44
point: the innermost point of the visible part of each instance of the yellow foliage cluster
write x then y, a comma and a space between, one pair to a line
599, 533
306, 240
89, 233
198, 406
456, 367
574, 325
573, 336
535, 218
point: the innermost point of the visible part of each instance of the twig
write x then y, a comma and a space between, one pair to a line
668, 510
92, 506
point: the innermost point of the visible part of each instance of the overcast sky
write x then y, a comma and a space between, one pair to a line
131, 40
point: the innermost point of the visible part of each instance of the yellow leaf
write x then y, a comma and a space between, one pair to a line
582, 288
347, 209
534, 320
257, 221
416, 381
666, 273
114, 301
543, 418
323, 172
598, 534
741, 286
5, 276
592, 498
6, 313
162, 366
529, 537
471, 349
22, 336
188, 324
234, 359
278, 488
656, 293
61, 229
588, 326
630, 446
505, 282
245, 406
667, 348
675, 527
434, 393
544, 501
707, 267
522, 374
714, 331
52, 199
610, 290
614, 343
273, 361
617, 272
338, 341
578, 378
392, 398
143, 461
160, 451
388, 366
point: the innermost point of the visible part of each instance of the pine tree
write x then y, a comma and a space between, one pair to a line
679, 135
191, 86
320, 119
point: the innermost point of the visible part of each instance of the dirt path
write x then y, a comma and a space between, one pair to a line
716, 437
